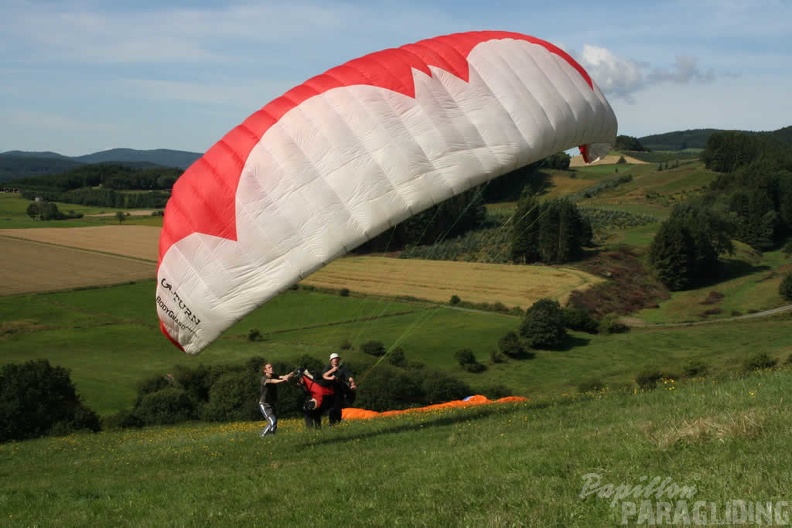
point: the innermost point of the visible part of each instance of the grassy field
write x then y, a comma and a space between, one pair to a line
723, 444
13, 215
109, 339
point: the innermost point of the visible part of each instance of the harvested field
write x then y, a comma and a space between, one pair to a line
439, 280
62, 258
131, 241
36, 267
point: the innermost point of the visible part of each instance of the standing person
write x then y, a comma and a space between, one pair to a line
268, 400
343, 386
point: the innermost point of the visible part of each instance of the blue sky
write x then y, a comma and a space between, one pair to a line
81, 76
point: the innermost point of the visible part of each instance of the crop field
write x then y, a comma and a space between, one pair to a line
129, 240
439, 280
102, 255
30, 266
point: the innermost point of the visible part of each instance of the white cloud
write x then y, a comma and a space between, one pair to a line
616, 76
623, 78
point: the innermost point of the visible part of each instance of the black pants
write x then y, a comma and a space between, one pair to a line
334, 414
313, 419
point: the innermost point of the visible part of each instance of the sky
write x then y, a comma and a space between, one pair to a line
82, 76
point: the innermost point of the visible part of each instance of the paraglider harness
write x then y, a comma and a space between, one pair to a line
319, 392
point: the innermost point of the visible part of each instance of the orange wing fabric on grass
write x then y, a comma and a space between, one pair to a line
352, 413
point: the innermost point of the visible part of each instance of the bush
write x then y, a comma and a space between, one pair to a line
397, 358
610, 324
438, 387
580, 320
511, 346
344, 292
255, 335
465, 357
543, 325
373, 348
497, 357
170, 405
454, 300
785, 288
467, 360
759, 361
38, 399
388, 387
233, 397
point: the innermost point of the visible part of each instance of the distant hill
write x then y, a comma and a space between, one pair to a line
17, 164
680, 140
697, 139
164, 157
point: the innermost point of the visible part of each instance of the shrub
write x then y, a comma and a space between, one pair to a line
233, 397
759, 361
397, 358
170, 405
610, 324
543, 325
255, 335
511, 346
467, 360
373, 348
785, 288
39, 399
388, 387
497, 357
580, 320
346, 344
438, 387
454, 300
465, 356
344, 292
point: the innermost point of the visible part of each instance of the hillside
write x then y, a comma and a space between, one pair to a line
163, 157
697, 139
719, 444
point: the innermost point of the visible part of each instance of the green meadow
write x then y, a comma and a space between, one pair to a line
110, 340
712, 449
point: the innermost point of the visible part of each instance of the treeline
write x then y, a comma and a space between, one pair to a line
104, 185
549, 232
750, 201
103, 198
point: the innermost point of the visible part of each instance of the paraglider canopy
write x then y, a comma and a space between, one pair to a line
351, 152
